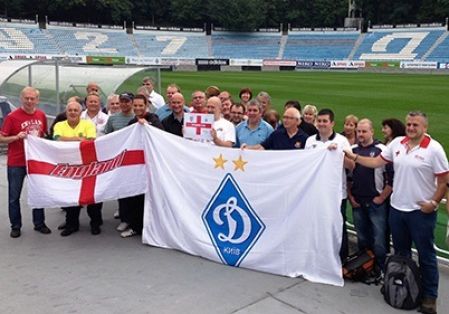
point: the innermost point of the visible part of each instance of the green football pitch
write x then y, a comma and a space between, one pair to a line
367, 95
372, 95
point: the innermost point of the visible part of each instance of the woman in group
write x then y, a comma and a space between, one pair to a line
245, 96
309, 114
392, 128
265, 100
349, 128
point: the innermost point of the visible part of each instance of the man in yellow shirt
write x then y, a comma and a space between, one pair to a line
75, 129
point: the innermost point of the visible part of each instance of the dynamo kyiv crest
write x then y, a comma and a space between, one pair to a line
233, 225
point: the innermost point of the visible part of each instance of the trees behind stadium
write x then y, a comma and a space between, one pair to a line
231, 14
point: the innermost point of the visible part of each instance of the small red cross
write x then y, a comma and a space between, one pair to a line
198, 125
88, 156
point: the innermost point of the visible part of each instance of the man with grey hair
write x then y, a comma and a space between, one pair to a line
198, 102
25, 120
223, 131
156, 99
420, 176
288, 137
254, 130
75, 129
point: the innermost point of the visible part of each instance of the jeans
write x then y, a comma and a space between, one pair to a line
370, 222
16, 176
417, 227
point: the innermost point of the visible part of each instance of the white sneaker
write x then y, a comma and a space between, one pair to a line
128, 233
116, 214
122, 226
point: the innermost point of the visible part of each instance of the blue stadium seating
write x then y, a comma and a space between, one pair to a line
396, 44
171, 45
245, 45
397, 48
319, 46
83, 41
441, 52
26, 40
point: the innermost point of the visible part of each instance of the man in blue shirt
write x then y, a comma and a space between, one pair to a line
254, 130
367, 194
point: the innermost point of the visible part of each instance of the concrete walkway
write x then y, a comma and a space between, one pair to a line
107, 274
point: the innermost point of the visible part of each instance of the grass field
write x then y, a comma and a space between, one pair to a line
372, 95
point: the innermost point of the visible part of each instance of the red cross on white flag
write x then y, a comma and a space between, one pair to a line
87, 172
197, 126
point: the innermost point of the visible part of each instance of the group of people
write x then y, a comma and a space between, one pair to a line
394, 186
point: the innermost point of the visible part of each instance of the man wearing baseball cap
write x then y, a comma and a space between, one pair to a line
120, 120
116, 122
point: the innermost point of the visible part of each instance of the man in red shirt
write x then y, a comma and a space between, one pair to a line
27, 119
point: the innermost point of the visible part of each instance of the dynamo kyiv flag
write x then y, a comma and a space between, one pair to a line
272, 211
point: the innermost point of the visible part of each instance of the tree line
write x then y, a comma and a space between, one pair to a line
232, 14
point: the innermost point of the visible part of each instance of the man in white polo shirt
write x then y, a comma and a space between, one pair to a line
327, 137
420, 175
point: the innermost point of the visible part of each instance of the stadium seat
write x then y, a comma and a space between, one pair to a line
404, 44
245, 45
319, 45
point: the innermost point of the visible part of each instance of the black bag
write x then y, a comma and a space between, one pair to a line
359, 266
402, 283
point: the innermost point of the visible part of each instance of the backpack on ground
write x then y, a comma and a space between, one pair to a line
359, 266
402, 283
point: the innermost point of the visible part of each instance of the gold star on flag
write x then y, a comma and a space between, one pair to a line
219, 162
239, 164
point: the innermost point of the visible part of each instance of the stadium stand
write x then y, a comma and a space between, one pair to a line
425, 44
441, 51
404, 44
319, 45
171, 44
80, 41
26, 39
245, 45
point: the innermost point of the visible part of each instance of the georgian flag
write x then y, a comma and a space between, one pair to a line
86, 172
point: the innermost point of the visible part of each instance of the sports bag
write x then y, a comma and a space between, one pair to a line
359, 265
402, 283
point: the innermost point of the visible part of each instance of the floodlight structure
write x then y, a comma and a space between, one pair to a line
354, 18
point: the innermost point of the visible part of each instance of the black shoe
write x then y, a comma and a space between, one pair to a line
43, 229
61, 226
95, 230
15, 233
68, 231
428, 306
